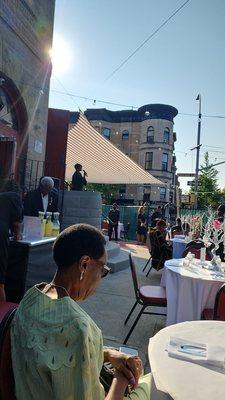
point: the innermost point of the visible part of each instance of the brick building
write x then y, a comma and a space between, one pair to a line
26, 29
147, 137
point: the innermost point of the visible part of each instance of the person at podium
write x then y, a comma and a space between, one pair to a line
78, 181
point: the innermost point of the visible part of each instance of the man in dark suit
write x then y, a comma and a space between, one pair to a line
78, 181
44, 198
114, 217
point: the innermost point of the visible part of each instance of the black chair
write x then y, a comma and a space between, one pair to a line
148, 261
195, 247
218, 312
148, 243
146, 296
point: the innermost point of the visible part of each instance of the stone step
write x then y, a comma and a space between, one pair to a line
119, 262
113, 249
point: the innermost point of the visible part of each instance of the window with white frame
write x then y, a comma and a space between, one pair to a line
148, 160
125, 135
165, 161
166, 135
106, 132
162, 194
150, 134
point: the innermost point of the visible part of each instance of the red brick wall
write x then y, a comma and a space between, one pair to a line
57, 131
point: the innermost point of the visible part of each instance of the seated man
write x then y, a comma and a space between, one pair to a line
44, 198
160, 249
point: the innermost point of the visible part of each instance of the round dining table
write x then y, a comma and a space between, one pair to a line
189, 290
184, 380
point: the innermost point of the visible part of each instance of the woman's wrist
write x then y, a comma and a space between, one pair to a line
118, 387
110, 354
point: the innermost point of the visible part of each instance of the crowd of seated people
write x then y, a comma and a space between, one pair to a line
57, 349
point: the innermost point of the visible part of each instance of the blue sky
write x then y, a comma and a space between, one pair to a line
187, 56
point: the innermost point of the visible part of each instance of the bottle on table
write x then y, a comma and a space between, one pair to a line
48, 225
56, 224
41, 216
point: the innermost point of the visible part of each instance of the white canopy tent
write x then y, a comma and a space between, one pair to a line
103, 162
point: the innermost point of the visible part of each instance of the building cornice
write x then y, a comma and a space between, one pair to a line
146, 112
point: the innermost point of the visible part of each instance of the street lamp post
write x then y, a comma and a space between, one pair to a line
198, 149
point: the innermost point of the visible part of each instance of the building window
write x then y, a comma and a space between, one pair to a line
165, 162
148, 161
106, 133
125, 135
166, 135
7, 113
162, 194
150, 134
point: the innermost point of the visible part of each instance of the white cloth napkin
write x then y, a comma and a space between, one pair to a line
200, 353
175, 262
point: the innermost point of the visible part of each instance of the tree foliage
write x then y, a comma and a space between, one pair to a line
208, 191
109, 192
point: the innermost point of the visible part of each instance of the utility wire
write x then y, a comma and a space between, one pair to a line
203, 115
94, 100
145, 41
125, 105
67, 93
71, 95
214, 147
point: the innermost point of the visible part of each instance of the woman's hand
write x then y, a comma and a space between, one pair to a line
134, 364
129, 366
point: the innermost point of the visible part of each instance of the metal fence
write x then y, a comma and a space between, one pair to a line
127, 214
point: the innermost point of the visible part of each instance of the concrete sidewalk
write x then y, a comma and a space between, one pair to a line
113, 300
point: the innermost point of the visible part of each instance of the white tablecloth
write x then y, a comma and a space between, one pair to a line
188, 291
179, 246
184, 380
120, 229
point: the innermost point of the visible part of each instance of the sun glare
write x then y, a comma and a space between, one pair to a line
60, 55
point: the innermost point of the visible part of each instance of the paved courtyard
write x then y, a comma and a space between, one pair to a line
113, 300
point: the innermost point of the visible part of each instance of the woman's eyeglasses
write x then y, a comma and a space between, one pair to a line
105, 271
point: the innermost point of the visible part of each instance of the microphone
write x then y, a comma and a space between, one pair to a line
85, 172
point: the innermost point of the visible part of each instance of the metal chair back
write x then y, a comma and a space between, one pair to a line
196, 252
134, 277
219, 308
